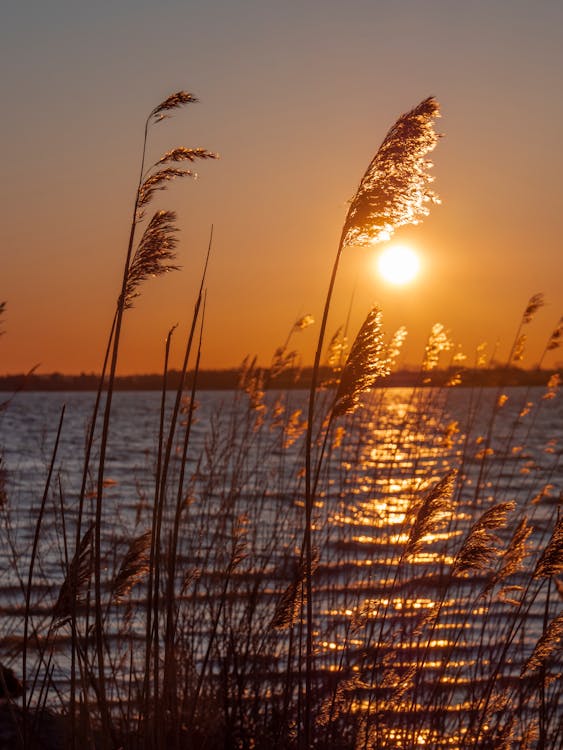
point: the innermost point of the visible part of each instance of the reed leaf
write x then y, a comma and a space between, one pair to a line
394, 190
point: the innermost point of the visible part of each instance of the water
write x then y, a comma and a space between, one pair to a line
242, 497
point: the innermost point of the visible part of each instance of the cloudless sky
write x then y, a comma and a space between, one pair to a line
296, 97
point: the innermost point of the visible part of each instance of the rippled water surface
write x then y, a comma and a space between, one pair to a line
243, 485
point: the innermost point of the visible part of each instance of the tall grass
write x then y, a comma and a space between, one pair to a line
359, 567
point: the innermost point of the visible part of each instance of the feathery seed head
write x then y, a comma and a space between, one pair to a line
433, 511
395, 345
156, 247
303, 322
480, 546
534, 304
134, 567
546, 647
186, 154
554, 340
551, 560
438, 342
395, 191
174, 101
366, 362
159, 181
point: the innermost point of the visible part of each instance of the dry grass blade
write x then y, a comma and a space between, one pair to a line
366, 362
546, 647
79, 574
157, 246
159, 181
134, 567
186, 154
395, 191
480, 545
551, 560
434, 510
174, 101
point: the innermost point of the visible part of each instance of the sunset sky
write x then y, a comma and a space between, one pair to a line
296, 97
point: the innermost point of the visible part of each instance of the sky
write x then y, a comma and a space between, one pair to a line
296, 97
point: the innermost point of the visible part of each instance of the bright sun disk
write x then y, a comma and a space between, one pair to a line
398, 265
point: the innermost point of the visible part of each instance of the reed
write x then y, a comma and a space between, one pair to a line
345, 569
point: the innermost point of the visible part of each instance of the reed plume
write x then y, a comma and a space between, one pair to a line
515, 552
551, 560
77, 579
181, 153
546, 647
2, 311
366, 363
395, 191
290, 602
435, 508
479, 547
133, 568
174, 101
156, 247
535, 303
159, 181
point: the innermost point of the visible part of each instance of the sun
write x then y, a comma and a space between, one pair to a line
398, 265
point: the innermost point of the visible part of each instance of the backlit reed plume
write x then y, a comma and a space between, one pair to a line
556, 336
534, 304
515, 552
439, 341
395, 190
174, 101
159, 181
290, 602
551, 560
134, 567
433, 512
546, 647
395, 345
186, 154
366, 363
480, 545
156, 247
2, 311
77, 579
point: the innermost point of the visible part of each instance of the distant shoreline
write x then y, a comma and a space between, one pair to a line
214, 380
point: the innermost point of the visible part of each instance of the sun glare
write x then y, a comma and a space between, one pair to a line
398, 265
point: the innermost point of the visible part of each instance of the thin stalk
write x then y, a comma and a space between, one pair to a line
309, 500
34, 548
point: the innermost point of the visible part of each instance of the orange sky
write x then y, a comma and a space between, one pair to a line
296, 98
